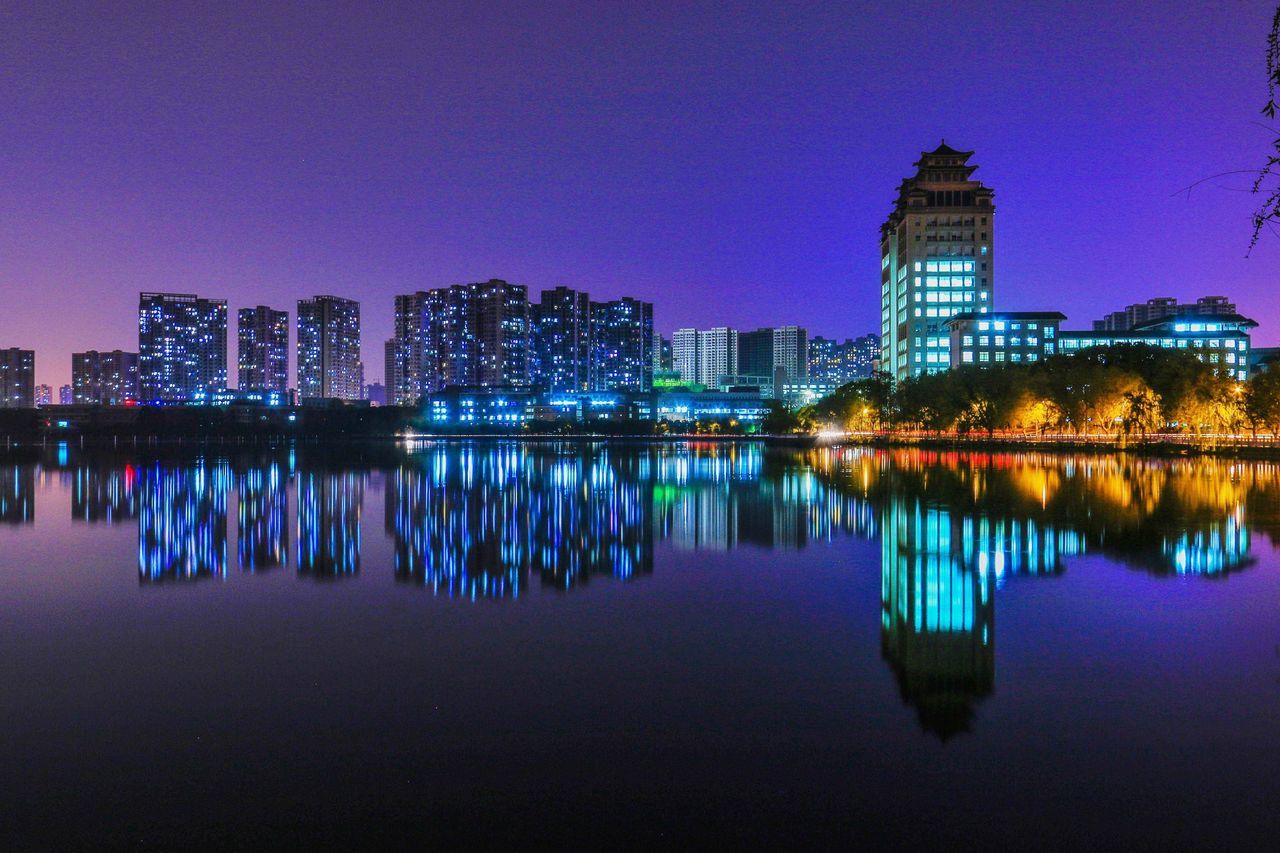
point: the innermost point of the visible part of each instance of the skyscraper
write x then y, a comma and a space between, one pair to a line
182, 346
17, 378
684, 354
466, 334
717, 355
329, 349
264, 349
622, 332
104, 378
936, 259
562, 338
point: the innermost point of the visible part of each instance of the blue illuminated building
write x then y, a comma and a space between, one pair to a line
182, 346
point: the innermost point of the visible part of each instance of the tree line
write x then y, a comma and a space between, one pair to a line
1105, 391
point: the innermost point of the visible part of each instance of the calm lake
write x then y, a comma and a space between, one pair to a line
683, 645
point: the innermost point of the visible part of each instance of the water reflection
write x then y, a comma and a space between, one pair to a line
479, 520
329, 505
182, 521
17, 494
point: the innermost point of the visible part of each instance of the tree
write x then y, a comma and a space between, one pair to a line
1262, 402
1267, 185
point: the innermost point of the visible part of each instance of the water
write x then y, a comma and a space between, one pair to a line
687, 645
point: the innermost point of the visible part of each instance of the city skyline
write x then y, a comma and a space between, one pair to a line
121, 178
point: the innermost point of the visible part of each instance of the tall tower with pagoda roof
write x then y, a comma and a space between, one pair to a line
937, 259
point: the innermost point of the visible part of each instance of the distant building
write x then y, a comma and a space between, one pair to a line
17, 378
1135, 315
684, 354
661, 354
44, 395
264, 349
562, 340
466, 334
376, 394
182, 346
842, 362
1008, 337
936, 260
796, 393
329, 349
105, 378
622, 345
779, 354
1222, 341
1263, 358
65, 396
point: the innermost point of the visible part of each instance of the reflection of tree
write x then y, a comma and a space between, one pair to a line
17, 493
329, 504
182, 521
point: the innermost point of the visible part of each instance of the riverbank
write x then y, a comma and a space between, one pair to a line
1244, 447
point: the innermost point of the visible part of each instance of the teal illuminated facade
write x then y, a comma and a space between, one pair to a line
936, 260
1221, 341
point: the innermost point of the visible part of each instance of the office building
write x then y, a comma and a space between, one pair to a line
1007, 337
562, 340
329, 349
182, 346
1219, 340
264, 349
105, 378
17, 378
1135, 315
936, 259
622, 345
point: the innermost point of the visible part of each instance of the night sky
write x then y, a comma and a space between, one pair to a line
730, 162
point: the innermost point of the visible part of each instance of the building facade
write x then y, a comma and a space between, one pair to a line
17, 378
684, 354
263, 349
717, 355
105, 378
329, 364
562, 340
1222, 341
937, 259
182, 346
622, 345
842, 362
1008, 337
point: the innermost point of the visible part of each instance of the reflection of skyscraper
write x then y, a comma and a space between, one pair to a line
262, 522
329, 506
938, 616
104, 493
182, 522
17, 494
475, 522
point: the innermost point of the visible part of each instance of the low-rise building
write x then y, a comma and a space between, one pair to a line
1222, 341
1007, 337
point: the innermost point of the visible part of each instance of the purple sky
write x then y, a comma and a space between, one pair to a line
730, 162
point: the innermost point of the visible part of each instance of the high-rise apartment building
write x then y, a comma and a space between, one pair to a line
466, 334
44, 395
662, 357
182, 346
1162, 307
842, 362
775, 354
684, 354
17, 378
717, 355
65, 395
105, 378
622, 345
936, 259
264, 349
562, 337
329, 349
